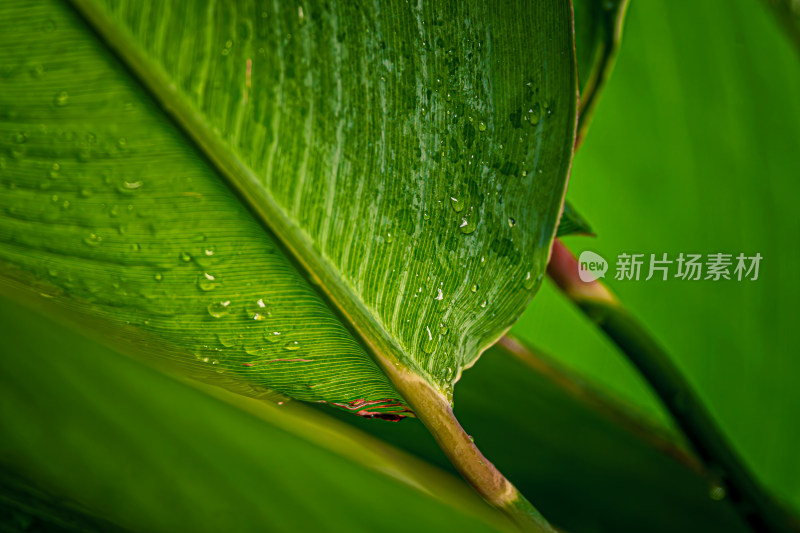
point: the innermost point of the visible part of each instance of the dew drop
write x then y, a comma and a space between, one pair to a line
257, 310
186, 257
529, 282
129, 187
481, 126
440, 295
219, 309
457, 206
428, 341
273, 336
207, 282
158, 276
292, 346
511, 222
534, 114
467, 226
474, 287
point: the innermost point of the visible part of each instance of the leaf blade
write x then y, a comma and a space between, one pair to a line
179, 458
278, 200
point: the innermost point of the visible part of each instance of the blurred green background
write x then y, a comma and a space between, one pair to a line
694, 148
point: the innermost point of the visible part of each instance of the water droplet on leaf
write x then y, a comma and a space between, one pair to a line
129, 187
257, 310
429, 342
219, 309
292, 346
207, 282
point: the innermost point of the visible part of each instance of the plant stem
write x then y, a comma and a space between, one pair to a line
752, 502
435, 412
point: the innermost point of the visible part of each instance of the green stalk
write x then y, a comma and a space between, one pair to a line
733, 479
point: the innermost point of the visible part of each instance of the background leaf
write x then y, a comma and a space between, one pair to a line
147, 453
711, 171
572, 223
575, 451
598, 32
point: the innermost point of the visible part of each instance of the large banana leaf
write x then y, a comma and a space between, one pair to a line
104, 442
385, 147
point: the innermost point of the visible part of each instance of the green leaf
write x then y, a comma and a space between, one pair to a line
384, 147
598, 31
113, 438
572, 223
707, 193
